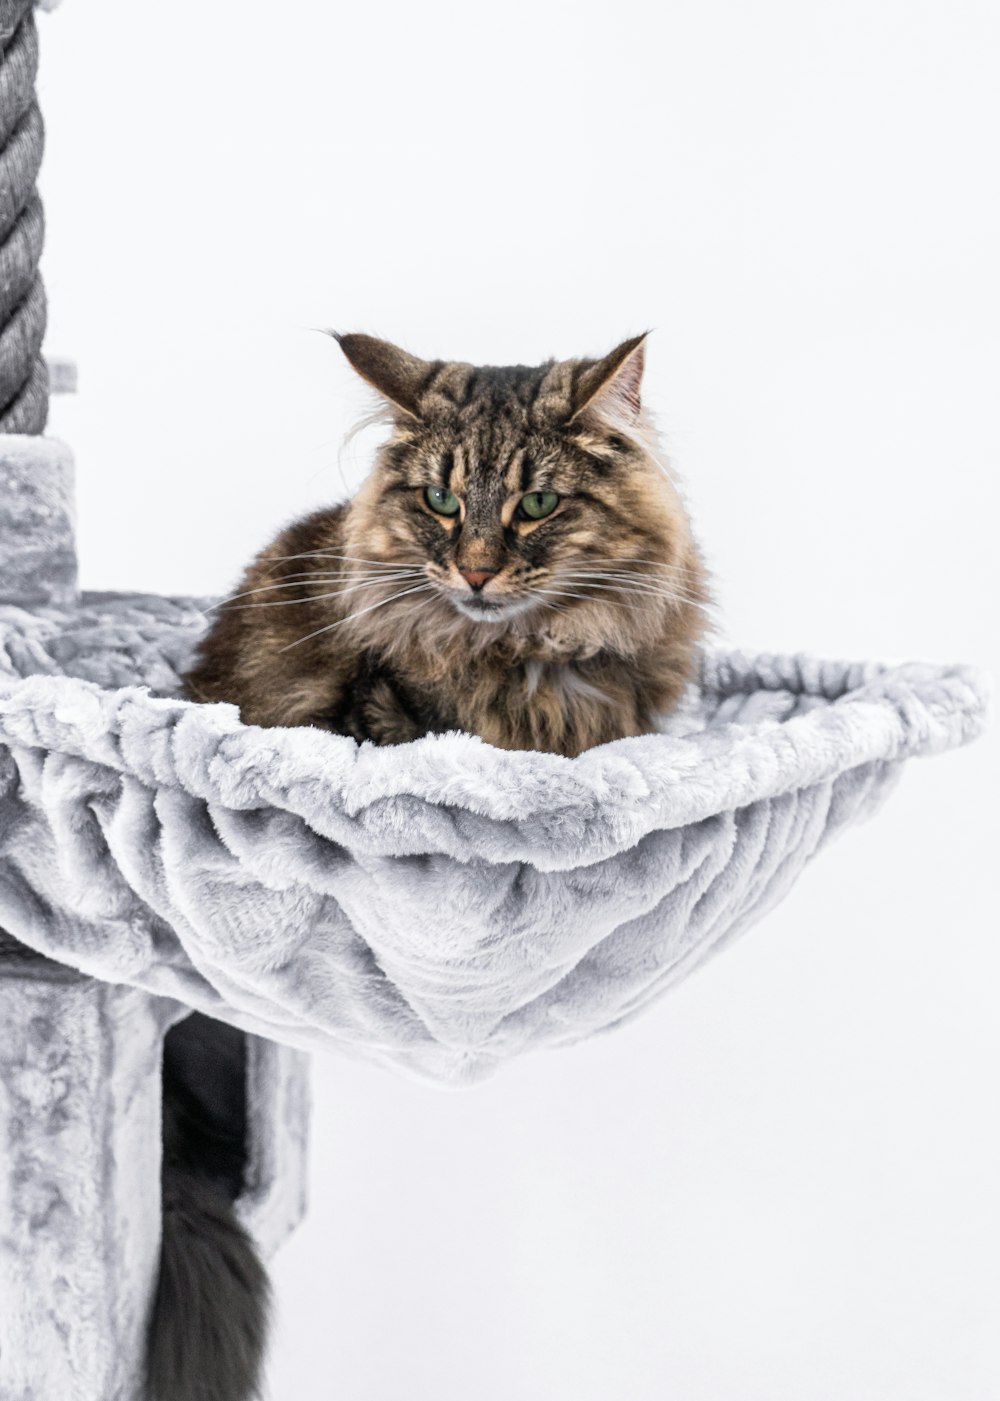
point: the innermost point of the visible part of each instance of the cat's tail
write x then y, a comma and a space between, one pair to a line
208, 1325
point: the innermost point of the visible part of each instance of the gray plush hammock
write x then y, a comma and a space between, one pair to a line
436, 907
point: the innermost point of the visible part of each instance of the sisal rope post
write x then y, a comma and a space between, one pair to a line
24, 381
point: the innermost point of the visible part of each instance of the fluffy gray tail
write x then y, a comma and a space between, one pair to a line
209, 1322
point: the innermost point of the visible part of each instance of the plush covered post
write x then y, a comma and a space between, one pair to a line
274, 1193
80, 1102
79, 1205
37, 551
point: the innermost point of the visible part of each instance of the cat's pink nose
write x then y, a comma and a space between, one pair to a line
476, 578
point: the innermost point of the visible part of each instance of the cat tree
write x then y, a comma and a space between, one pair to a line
437, 907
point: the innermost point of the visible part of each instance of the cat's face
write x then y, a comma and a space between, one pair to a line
521, 491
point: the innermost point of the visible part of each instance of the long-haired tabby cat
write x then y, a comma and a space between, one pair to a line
518, 565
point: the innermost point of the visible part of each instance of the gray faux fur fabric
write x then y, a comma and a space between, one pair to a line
37, 551
79, 1184
436, 906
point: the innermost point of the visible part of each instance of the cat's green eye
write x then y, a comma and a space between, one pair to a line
440, 499
538, 504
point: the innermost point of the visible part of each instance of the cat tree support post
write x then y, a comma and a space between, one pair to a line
79, 1059
80, 1126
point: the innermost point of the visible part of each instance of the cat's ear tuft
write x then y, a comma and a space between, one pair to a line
397, 375
610, 388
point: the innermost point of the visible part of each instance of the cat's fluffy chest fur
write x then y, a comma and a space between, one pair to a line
515, 567
514, 701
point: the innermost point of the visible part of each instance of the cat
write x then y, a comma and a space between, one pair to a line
518, 565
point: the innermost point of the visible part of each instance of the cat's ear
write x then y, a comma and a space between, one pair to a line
396, 375
611, 387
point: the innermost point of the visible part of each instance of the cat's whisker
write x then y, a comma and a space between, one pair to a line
549, 593
658, 594
629, 586
633, 598
578, 597
588, 598
315, 597
670, 567
367, 570
658, 572
420, 588
625, 559
350, 559
293, 581
559, 593
642, 575
556, 607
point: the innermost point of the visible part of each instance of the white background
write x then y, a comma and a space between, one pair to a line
781, 1183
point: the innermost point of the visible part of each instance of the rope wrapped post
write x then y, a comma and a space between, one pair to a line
38, 559
24, 381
